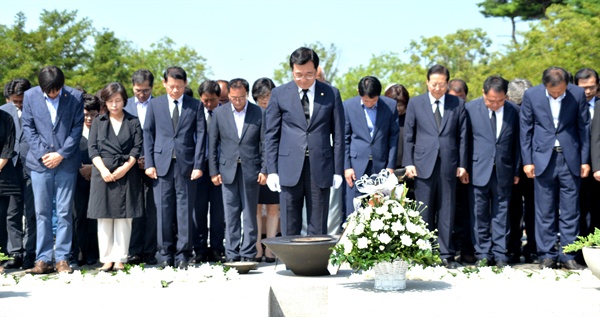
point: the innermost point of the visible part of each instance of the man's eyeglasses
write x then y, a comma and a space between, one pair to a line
237, 98
308, 76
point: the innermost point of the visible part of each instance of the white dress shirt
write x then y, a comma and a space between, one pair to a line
499, 117
433, 105
555, 108
311, 96
239, 118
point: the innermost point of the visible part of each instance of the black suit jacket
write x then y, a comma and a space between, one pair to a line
595, 139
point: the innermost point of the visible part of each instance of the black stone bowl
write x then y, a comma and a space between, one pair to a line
303, 255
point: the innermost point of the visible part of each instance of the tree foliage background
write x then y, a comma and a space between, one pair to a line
560, 33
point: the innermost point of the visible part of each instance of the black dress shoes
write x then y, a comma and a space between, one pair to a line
198, 259
548, 263
216, 256
150, 259
501, 264
449, 263
513, 258
270, 260
531, 258
571, 265
467, 258
15, 263
134, 260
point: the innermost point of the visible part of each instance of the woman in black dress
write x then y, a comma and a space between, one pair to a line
9, 186
267, 221
114, 145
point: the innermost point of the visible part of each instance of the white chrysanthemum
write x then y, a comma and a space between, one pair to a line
381, 210
359, 229
377, 225
406, 240
362, 243
347, 246
397, 226
385, 238
424, 244
411, 227
413, 213
381, 248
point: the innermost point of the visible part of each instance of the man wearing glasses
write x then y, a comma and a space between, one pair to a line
142, 247
435, 154
301, 117
174, 138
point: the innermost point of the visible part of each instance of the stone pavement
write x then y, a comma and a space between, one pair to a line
273, 291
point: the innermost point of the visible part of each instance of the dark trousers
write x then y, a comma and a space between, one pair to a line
240, 200
292, 200
556, 189
19, 239
85, 230
463, 223
522, 216
143, 229
209, 200
174, 198
438, 194
490, 219
589, 201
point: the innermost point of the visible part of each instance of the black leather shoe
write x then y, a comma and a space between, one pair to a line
531, 258
501, 264
215, 256
249, 260
571, 265
548, 263
449, 263
134, 259
183, 265
513, 258
198, 259
15, 263
150, 259
28, 264
467, 258
270, 260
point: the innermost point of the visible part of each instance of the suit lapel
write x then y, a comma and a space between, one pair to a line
448, 108
378, 121
318, 101
296, 105
62, 106
230, 120
506, 117
484, 116
247, 119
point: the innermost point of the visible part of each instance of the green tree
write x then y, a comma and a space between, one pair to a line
328, 60
526, 10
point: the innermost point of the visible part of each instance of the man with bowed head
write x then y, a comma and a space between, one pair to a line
174, 140
435, 154
301, 117
555, 147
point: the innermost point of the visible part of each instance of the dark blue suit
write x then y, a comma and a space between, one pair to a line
288, 141
557, 173
45, 137
436, 155
174, 190
494, 162
143, 229
366, 154
238, 160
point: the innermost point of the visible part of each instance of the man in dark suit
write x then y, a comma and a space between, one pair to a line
371, 138
555, 150
209, 197
435, 154
21, 245
301, 117
494, 162
52, 124
236, 160
595, 143
174, 154
142, 247
587, 79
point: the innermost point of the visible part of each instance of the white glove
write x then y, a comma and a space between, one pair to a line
337, 181
273, 182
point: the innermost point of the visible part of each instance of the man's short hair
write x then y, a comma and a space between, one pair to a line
302, 56
516, 89
209, 87
369, 86
238, 83
458, 85
495, 83
91, 102
17, 87
438, 69
175, 72
585, 73
142, 75
51, 78
553, 76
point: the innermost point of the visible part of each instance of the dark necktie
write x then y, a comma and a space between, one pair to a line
175, 116
306, 105
493, 122
437, 114
210, 113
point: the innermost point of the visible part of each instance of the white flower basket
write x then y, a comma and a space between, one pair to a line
390, 276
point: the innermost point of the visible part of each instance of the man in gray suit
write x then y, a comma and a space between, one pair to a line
236, 160
301, 118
